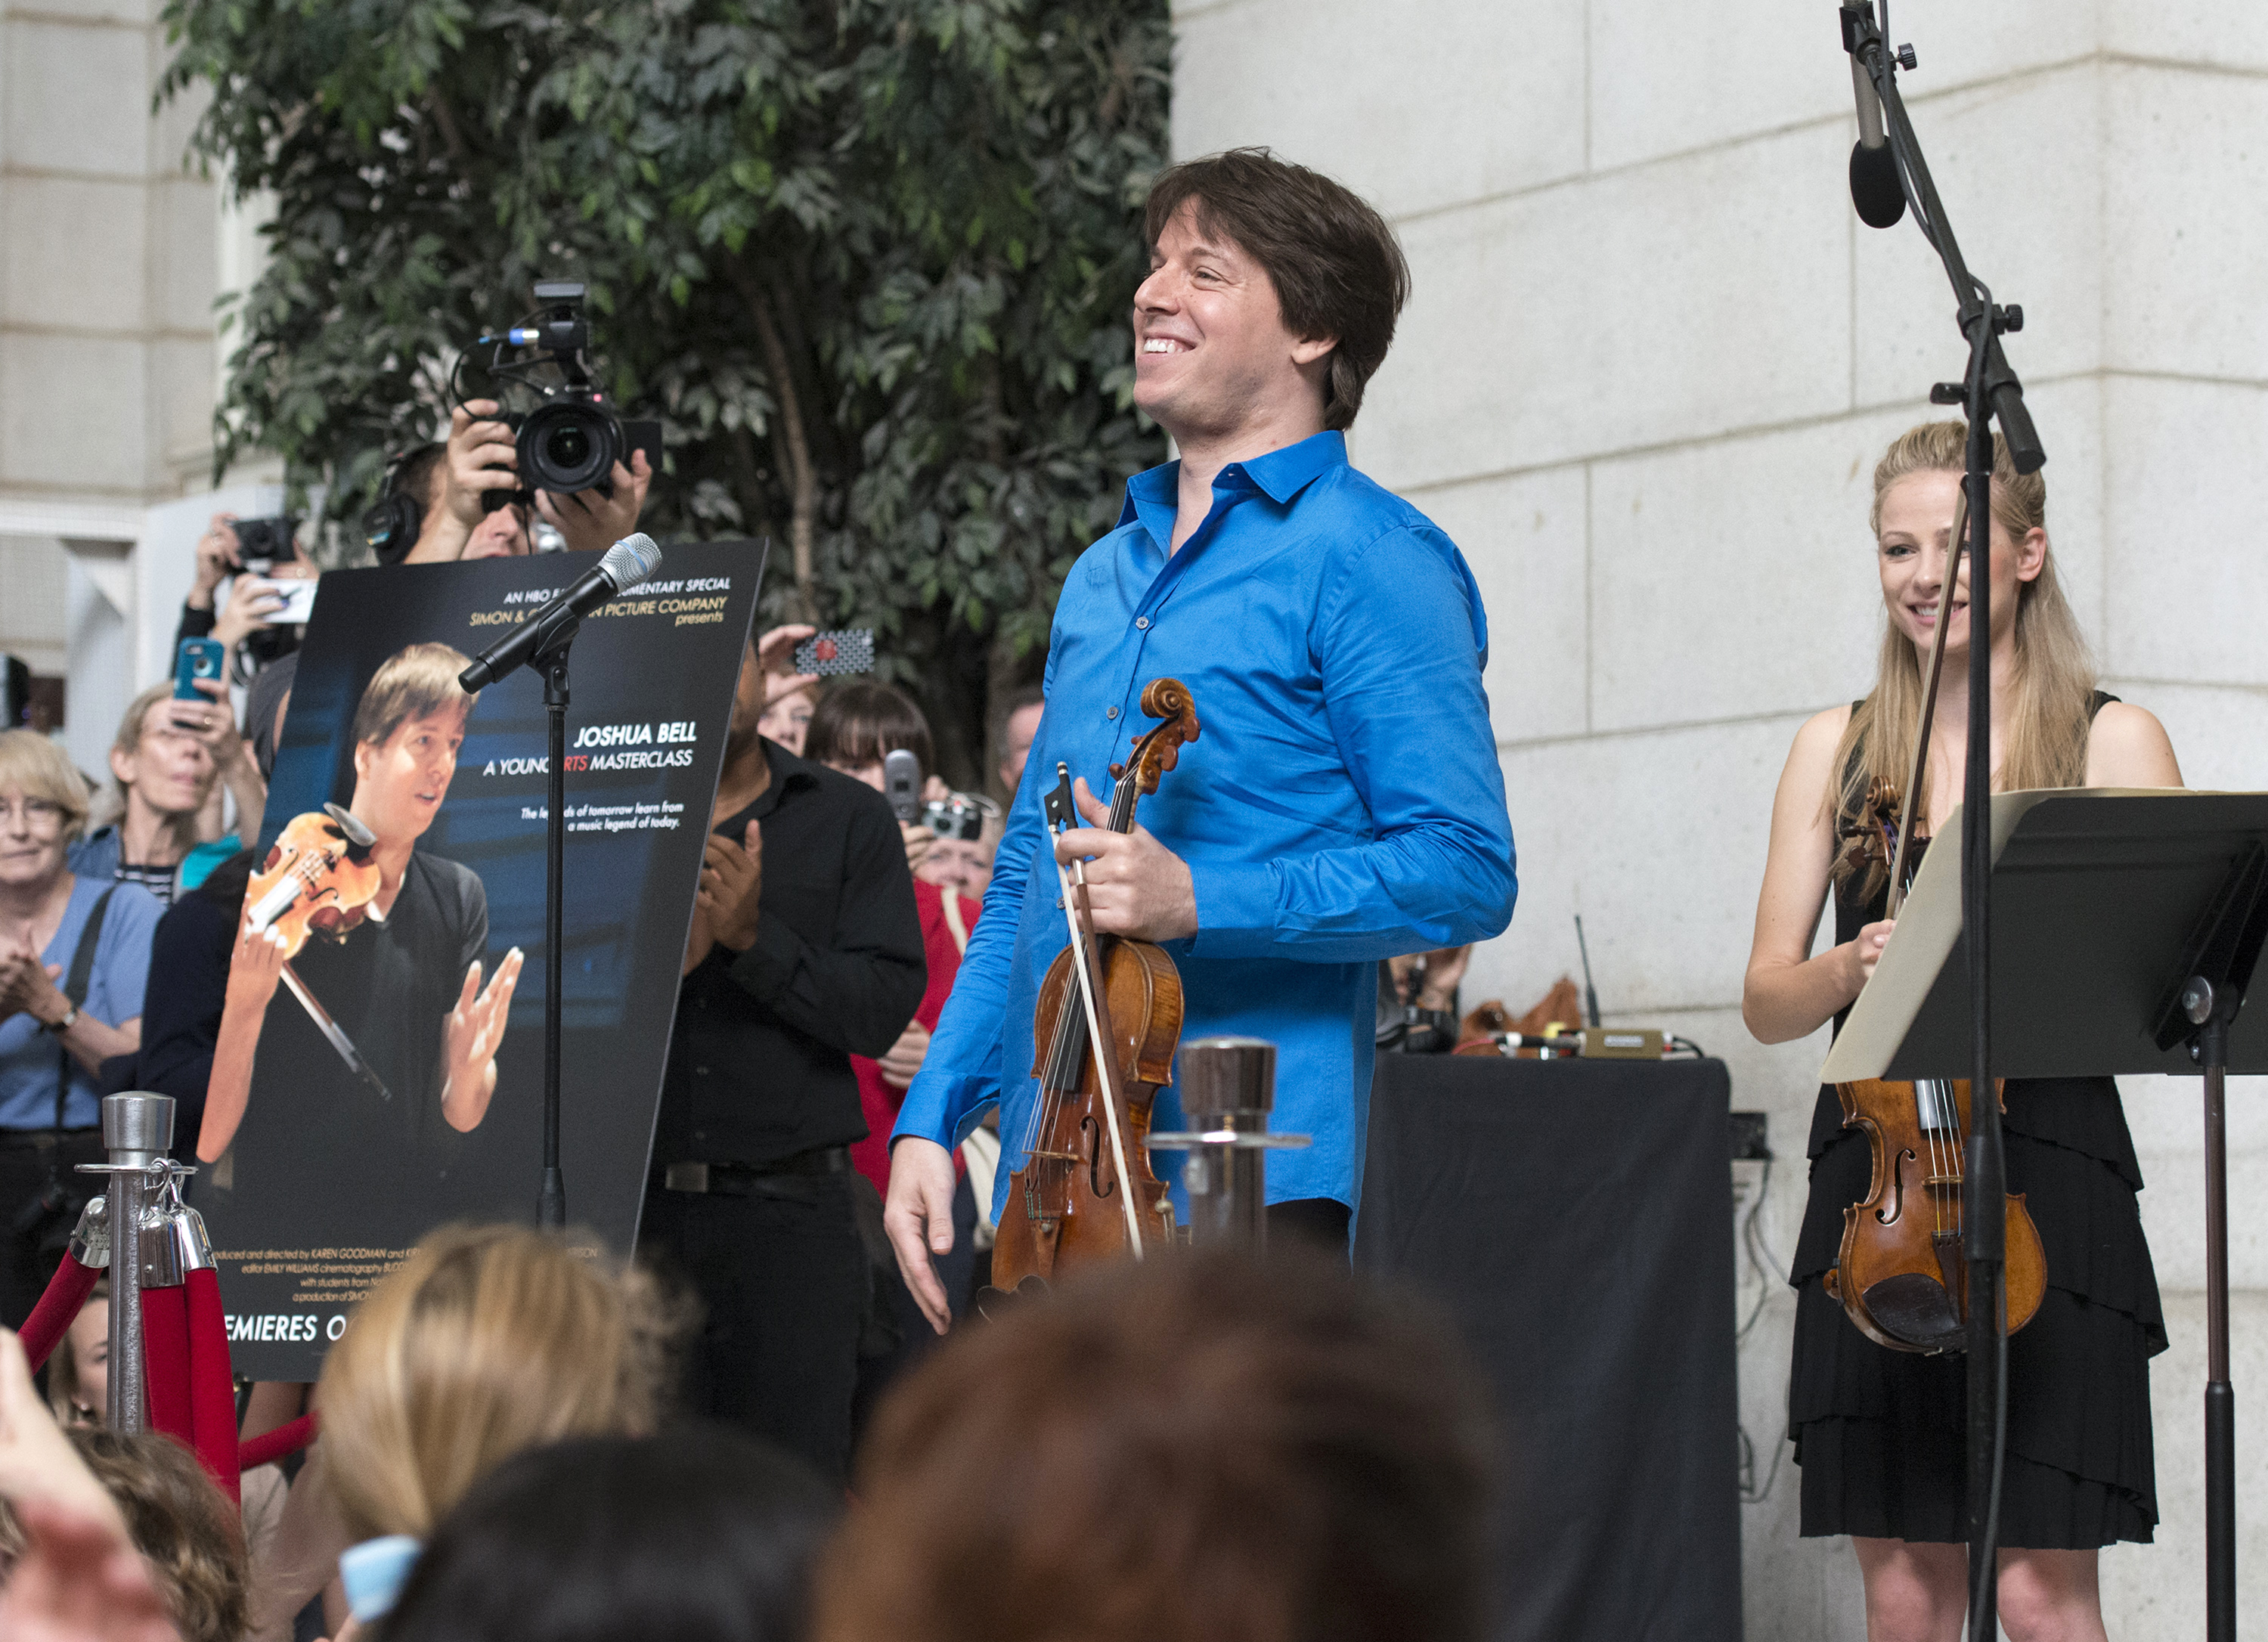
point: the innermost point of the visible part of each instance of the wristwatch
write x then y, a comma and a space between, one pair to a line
70, 1020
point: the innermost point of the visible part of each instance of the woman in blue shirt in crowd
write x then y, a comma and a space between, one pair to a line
74, 954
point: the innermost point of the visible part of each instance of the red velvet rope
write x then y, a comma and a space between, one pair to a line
276, 1444
58, 1309
211, 1389
165, 1346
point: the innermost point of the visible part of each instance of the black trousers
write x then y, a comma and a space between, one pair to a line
1319, 1223
31, 1245
781, 1279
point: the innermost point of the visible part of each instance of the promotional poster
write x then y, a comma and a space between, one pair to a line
390, 995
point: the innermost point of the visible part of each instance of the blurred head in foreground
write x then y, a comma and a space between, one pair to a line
699, 1535
1200, 1448
487, 1340
184, 1527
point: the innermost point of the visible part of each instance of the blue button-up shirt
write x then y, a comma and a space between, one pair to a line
1342, 804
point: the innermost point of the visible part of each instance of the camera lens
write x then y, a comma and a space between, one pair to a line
568, 446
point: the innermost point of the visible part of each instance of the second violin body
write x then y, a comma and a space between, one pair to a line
1900, 1275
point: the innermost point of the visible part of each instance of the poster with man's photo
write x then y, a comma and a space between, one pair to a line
379, 1065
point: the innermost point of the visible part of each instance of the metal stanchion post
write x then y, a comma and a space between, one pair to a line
1227, 1087
138, 1130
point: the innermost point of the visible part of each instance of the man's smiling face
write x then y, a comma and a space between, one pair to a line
1212, 354
401, 782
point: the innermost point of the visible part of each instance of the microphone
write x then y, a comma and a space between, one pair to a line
1876, 194
628, 563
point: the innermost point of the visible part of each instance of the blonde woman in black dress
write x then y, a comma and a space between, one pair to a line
1880, 1434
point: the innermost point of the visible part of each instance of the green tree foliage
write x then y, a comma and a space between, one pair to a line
869, 261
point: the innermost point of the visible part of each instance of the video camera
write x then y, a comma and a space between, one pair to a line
569, 440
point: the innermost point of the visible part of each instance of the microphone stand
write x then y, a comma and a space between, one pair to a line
551, 662
1990, 389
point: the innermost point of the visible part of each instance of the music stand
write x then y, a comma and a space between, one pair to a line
2125, 926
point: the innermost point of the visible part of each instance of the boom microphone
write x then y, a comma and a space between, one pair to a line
628, 563
1876, 194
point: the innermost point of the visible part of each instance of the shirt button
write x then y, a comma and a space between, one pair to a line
701, 1072
1142, 621
1110, 712
701, 1134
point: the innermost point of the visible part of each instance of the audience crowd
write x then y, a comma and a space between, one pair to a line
518, 1440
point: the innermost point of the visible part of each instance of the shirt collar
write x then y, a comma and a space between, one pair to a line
1280, 474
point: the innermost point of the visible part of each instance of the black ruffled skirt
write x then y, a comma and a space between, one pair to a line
1881, 1435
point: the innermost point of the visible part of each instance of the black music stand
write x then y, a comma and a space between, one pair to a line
2125, 927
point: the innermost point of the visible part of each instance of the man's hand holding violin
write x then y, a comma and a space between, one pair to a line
1136, 886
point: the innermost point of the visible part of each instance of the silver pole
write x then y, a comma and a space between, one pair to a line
138, 1130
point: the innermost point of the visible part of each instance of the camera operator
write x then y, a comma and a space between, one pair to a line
247, 626
482, 455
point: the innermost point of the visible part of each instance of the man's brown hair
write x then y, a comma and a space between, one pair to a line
1200, 1448
860, 721
1337, 269
413, 684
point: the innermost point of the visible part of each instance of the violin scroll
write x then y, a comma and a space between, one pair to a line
1160, 749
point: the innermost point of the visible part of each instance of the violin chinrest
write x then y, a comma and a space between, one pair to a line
994, 1304
1917, 1311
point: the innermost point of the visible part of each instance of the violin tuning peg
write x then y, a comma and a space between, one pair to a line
1117, 772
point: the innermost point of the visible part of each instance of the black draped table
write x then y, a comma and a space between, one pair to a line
1575, 1220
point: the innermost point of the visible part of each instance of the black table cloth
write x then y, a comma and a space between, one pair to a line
1574, 1219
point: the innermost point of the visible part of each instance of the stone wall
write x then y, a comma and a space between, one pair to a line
1650, 360
109, 255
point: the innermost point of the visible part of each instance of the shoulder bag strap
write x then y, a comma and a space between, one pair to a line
76, 981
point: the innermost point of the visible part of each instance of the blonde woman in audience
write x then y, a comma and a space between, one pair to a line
489, 1340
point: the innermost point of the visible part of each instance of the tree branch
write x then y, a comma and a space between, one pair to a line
802, 483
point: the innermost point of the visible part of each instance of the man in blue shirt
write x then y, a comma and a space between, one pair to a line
1344, 803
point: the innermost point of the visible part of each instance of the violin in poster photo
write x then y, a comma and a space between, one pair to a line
1086, 1193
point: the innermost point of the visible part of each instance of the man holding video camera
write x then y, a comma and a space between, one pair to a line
482, 457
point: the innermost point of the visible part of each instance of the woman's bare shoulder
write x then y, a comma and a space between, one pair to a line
2127, 747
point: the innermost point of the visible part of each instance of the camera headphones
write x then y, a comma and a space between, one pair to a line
391, 527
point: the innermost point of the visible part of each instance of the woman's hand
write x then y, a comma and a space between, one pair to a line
217, 560
775, 654
917, 841
249, 611
903, 1058
1865, 951
28, 986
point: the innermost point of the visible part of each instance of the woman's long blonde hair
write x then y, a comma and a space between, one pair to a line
2048, 710
486, 1341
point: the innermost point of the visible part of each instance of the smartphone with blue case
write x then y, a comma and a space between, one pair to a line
197, 659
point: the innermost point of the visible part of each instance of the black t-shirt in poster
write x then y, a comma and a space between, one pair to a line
389, 987
760, 1067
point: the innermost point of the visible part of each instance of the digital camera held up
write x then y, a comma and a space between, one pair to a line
539, 370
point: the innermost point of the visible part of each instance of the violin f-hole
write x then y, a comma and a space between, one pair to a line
1101, 1184
1898, 1205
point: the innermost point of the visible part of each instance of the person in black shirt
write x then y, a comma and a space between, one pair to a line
806, 949
405, 985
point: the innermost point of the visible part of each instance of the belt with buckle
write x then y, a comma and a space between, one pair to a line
741, 1180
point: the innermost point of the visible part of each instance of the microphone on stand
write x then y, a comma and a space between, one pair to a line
1876, 194
625, 565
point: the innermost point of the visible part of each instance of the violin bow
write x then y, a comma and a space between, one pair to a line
1898, 891
1078, 914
